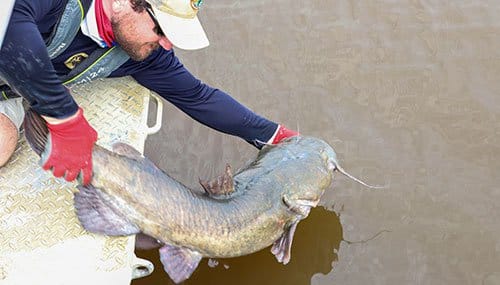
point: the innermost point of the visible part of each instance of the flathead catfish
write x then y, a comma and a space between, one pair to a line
259, 206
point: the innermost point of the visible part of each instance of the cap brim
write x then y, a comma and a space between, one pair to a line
183, 33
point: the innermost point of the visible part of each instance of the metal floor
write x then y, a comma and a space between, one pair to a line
41, 240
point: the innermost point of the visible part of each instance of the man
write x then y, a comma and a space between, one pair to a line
51, 44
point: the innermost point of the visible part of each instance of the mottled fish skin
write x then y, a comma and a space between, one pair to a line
250, 219
129, 195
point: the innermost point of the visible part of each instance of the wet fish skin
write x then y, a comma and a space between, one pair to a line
130, 195
274, 191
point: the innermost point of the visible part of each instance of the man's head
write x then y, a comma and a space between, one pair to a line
141, 26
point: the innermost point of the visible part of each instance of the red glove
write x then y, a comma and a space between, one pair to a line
68, 151
283, 133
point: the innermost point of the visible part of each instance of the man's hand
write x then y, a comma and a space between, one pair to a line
282, 134
68, 151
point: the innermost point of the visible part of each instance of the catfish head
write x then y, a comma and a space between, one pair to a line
316, 164
313, 171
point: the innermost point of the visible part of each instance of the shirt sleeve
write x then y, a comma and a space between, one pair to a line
25, 64
163, 73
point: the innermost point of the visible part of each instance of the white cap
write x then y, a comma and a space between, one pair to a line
178, 20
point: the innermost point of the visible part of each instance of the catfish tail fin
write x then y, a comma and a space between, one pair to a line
35, 131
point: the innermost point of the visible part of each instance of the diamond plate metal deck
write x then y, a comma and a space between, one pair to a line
41, 239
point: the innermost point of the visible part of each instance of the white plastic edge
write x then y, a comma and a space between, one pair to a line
159, 114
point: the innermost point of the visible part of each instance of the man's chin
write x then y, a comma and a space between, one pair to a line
137, 56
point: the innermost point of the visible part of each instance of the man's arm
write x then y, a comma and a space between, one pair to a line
26, 67
163, 73
25, 63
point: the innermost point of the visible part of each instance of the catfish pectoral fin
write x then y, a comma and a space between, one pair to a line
98, 216
179, 262
282, 248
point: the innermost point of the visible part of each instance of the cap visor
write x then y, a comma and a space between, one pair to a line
183, 33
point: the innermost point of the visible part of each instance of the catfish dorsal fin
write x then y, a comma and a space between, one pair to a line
221, 185
35, 131
179, 262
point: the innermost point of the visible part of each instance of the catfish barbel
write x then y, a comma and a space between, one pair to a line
237, 215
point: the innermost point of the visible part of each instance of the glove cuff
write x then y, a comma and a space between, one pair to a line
69, 123
283, 133
74, 127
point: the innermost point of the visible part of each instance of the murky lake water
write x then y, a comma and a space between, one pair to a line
408, 94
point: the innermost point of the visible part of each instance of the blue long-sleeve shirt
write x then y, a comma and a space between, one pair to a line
25, 65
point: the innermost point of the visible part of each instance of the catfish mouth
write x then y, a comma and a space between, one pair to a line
300, 206
307, 203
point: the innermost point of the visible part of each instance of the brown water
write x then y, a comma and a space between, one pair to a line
408, 94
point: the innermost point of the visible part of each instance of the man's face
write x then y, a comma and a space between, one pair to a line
135, 33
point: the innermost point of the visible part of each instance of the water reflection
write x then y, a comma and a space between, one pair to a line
316, 240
